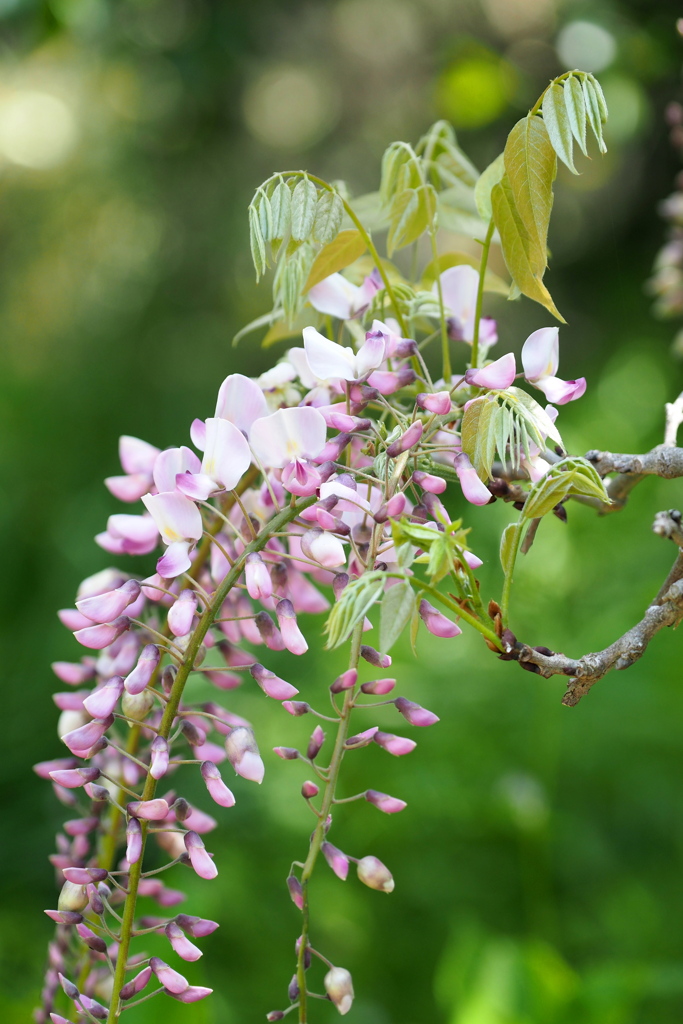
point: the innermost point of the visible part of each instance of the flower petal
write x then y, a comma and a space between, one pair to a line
226, 456
498, 375
371, 353
175, 560
541, 354
326, 359
335, 296
459, 289
176, 517
561, 391
298, 433
241, 401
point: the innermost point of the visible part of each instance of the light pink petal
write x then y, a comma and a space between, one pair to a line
474, 490
139, 531
541, 354
192, 994
108, 606
371, 354
130, 487
226, 456
197, 486
335, 296
288, 434
136, 456
176, 517
171, 462
472, 560
326, 359
198, 434
367, 291
175, 560
459, 289
241, 401
498, 375
561, 391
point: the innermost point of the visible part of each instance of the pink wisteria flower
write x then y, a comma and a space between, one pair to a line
541, 359
459, 287
179, 522
330, 361
337, 296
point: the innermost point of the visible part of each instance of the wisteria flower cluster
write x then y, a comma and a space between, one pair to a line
322, 487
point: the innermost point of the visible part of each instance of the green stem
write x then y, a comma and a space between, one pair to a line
319, 833
445, 348
480, 293
507, 583
170, 711
462, 613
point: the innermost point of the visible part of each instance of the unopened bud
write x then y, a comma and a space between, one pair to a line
137, 705
243, 754
374, 874
309, 789
337, 860
73, 897
194, 736
379, 687
271, 684
339, 987
315, 743
293, 989
296, 707
346, 681
415, 714
406, 441
340, 581
287, 753
384, 802
181, 809
374, 657
295, 891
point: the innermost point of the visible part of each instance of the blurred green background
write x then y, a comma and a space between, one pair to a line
538, 866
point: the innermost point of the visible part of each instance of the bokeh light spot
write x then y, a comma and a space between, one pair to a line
395, 23
585, 45
37, 130
475, 89
289, 107
627, 105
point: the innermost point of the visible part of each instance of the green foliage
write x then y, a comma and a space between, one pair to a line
571, 476
356, 600
347, 247
398, 609
442, 551
505, 423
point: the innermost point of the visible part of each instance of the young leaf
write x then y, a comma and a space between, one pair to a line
347, 247
593, 110
356, 600
328, 216
546, 493
508, 547
556, 120
530, 167
258, 248
398, 605
304, 200
265, 216
482, 190
412, 211
280, 205
521, 252
396, 156
479, 428
576, 110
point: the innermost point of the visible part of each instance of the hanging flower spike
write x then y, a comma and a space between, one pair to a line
338, 297
476, 492
179, 522
329, 361
226, 459
541, 360
497, 375
288, 434
241, 401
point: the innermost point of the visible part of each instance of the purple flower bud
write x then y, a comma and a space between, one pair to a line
292, 636
259, 583
307, 953
379, 687
72, 778
384, 802
323, 548
94, 1008
82, 739
91, 940
194, 735
415, 714
170, 979
68, 917
70, 989
197, 927
337, 860
333, 449
73, 673
346, 681
102, 701
272, 685
374, 657
396, 745
72, 897
181, 809
199, 859
138, 679
270, 634
101, 636
218, 791
374, 874
474, 490
243, 754
439, 402
182, 612
149, 810
192, 994
340, 581
133, 841
57, 1018
315, 743
136, 984
309, 789
411, 436
99, 794
225, 680
95, 900
339, 987
361, 739
293, 989
396, 505
44, 769
287, 753
436, 623
300, 477
275, 1015
104, 608
159, 757
84, 876
295, 891
181, 944
432, 484
73, 619
296, 707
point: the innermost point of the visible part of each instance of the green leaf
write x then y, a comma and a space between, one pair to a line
520, 251
508, 547
535, 415
482, 190
546, 493
576, 110
395, 158
304, 199
261, 321
593, 111
356, 600
411, 213
602, 102
328, 217
556, 120
398, 606
258, 248
265, 216
478, 431
370, 210
281, 205
530, 167
443, 159
347, 247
